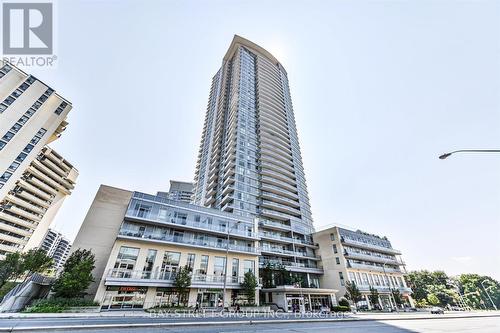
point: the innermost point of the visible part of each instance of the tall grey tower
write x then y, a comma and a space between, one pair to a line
249, 161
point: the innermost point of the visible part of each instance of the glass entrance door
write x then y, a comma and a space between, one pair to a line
295, 304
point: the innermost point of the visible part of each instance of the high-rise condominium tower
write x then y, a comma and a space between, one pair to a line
249, 161
34, 179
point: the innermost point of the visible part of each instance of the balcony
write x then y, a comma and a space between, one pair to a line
274, 225
166, 279
284, 239
373, 268
276, 215
180, 240
276, 182
277, 175
201, 226
280, 199
369, 246
279, 191
280, 207
19, 221
267, 249
384, 289
294, 266
367, 257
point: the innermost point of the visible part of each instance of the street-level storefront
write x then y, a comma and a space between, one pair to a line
292, 299
209, 298
124, 297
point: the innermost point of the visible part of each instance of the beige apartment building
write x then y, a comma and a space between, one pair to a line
365, 259
34, 179
141, 241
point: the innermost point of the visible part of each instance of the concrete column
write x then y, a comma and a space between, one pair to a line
380, 303
368, 302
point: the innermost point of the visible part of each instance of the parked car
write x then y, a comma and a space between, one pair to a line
363, 307
437, 310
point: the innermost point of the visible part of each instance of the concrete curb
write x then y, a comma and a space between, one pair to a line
214, 323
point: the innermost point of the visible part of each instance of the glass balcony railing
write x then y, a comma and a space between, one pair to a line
199, 225
187, 240
369, 245
169, 276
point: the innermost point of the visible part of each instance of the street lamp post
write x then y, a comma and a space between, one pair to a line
488, 294
226, 263
444, 156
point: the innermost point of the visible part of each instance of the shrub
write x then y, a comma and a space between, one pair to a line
344, 302
340, 308
56, 305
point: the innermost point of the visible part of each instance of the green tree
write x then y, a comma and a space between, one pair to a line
182, 283
474, 292
249, 285
373, 297
267, 273
352, 292
433, 299
36, 261
17, 264
76, 275
397, 297
10, 267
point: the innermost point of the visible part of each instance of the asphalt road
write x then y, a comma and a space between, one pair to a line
455, 325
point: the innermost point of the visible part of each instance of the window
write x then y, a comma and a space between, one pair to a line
190, 260
126, 259
236, 267
203, 265
332, 237
337, 260
248, 266
219, 266
334, 246
148, 266
170, 265
341, 277
365, 279
142, 210
352, 277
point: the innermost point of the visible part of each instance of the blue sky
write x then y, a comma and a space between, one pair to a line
380, 89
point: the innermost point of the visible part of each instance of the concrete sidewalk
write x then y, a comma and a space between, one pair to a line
351, 316
137, 320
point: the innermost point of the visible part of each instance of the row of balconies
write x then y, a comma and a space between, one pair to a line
373, 258
369, 246
291, 194
290, 265
268, 249
161, 238
384, 289
280, 198
280, 207
276, 182
373, 268
197, 226
276, 215
169, 276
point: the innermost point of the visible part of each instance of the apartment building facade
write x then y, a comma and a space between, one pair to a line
34, 179
57, 247
141, 241
181, 191
367, 260
250, 162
